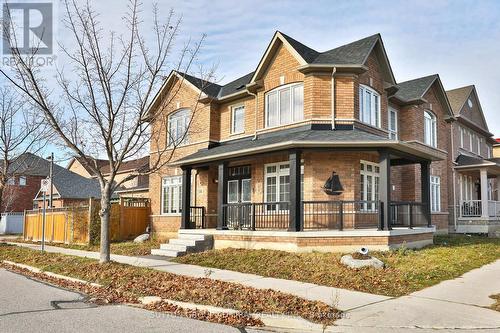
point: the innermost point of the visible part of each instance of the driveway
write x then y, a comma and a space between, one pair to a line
31, 306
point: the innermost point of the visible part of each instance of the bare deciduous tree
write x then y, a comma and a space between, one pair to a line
21, 132
104, 107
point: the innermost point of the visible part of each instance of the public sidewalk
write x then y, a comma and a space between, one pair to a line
340, 298
458, 304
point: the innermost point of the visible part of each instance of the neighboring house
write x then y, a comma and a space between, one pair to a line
475, 172
496, 149
24, 183
301, 121
135, 188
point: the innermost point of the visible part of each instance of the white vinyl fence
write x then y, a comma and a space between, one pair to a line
11, 223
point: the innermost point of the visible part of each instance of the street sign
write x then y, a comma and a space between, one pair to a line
45, 185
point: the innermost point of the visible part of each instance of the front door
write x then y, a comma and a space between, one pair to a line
239, 195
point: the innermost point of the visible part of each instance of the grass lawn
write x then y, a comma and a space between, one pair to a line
125, 284
127, 248
407, 270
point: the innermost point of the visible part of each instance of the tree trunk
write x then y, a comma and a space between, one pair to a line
104, 213
2, 209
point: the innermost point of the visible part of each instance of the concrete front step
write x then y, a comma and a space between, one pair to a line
174, 247
185, 243
167, 253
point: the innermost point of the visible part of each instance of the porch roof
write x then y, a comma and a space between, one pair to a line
306, 137
465, 162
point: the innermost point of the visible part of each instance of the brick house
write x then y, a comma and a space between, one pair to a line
311, 151
474, 192
135, 188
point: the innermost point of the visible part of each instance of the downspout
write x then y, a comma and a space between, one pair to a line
256, 110
454, 180
334, 71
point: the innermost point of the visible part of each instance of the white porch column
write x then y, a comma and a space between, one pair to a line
484, 193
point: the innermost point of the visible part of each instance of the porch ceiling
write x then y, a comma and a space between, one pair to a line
354, 139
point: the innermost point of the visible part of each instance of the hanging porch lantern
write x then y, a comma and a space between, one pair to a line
333, 186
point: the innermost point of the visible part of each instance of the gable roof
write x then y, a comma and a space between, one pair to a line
413, 91
458, 97
100, 163
353, 53
308, 54
130, 165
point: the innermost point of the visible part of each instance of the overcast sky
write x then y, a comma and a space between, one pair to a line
459, 40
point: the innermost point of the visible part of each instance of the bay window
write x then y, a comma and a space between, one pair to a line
171, 201
369, 106
178, 123
285, 105
430, 129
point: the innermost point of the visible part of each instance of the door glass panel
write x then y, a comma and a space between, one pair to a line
246, 190
232, 191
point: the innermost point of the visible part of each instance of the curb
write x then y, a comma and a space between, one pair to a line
54, 275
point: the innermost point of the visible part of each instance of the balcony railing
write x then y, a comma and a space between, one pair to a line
473, 208
197, 215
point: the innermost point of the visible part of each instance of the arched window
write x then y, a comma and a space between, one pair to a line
430, 130
285, 105
178, 123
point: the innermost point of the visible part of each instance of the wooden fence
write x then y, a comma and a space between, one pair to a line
75, 224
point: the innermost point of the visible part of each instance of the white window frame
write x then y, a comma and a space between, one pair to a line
173, 182
277, 174
235, 108
479, 144
471, 140
489, 151
374, 112
435, 182
293, 114
11, 181
430, 138
393, 132
375, 184
22, 181
181, 119
462, 134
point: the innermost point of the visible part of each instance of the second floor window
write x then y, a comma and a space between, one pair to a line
237, 119
393, 124
178, 123
369, 106
430, 129
285, 105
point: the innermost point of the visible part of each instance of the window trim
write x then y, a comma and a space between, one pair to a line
394, 132
434, 133
172, 116
435, 183
364, 190
162, 205
233, 108
379, 106
462, 135
277, 174
24, 180
277, 91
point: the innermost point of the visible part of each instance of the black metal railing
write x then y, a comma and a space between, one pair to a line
197, 217
254, 216
339, 215
408, 214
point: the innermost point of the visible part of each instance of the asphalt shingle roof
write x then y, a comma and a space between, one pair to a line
68, 184
298, 134
308, 54
236, 85
209, 88
354, 53
457, 98
414, 89
463, 160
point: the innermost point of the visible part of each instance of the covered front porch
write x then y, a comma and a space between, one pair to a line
478, 208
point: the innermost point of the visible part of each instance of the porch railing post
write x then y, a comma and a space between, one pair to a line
296, 218
380, 215
252, 225
341, 216
410, 211
221, 195
186, 199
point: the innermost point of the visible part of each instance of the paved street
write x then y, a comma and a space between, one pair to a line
31, 306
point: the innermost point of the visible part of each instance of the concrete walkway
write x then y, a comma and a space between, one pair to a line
340, 298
